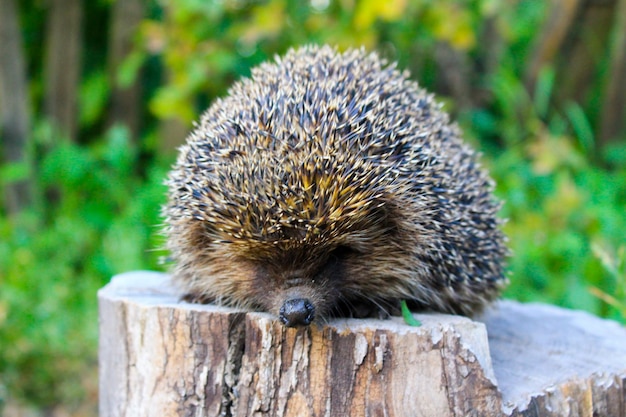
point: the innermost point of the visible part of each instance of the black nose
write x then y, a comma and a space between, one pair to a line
297, 312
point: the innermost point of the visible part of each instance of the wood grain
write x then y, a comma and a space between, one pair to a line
159, 356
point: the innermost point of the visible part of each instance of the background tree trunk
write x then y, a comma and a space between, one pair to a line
552, 36
574, 40
126, 15
613, 116
63, 65
455, 70
14, 109
580, 53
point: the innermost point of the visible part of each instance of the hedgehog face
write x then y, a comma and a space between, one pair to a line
315, 282
302, 274
303, 285
308, 269
290, 237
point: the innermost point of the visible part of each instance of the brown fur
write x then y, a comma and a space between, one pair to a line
332, 177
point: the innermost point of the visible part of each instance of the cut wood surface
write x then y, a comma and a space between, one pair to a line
159, 356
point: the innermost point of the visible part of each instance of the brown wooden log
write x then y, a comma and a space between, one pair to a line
159, 356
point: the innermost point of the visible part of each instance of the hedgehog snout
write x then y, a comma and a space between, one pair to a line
297, 312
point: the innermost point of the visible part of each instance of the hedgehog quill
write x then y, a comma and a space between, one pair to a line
329, 184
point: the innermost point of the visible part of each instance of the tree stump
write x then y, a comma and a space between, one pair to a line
163, 357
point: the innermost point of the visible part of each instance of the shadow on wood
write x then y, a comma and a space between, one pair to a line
159, 356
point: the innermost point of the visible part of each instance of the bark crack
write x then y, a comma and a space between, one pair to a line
234, 357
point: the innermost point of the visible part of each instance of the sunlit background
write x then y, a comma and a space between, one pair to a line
95, 96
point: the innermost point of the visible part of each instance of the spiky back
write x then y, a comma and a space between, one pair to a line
305, 143
306, 150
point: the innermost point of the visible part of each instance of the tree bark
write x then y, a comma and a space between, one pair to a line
613, 116
454, 68
173, 133
577, 67
14, 109
560, 18
63, 65
126, 15
159, 356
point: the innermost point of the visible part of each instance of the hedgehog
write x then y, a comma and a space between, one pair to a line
329, 184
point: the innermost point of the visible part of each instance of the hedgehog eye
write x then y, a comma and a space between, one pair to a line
342, 252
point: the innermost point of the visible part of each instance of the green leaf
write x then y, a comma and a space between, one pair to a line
94, 93
128, 71
580, 124
543, 91
408, 316
14, 171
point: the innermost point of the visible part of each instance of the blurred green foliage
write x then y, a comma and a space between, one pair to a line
97, 202
98, 219
207, 45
